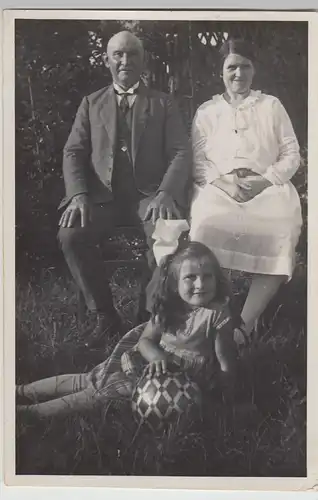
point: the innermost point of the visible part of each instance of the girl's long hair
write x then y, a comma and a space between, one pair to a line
168, 308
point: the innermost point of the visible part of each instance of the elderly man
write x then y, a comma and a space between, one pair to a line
126, 163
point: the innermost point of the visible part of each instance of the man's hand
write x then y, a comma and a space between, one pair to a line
79, 206
163, 207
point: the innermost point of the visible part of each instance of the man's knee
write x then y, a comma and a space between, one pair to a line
70, 237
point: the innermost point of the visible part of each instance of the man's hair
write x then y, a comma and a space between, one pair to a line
127, 33
168, 309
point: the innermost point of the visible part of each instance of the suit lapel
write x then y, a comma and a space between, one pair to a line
139, 120
108, 114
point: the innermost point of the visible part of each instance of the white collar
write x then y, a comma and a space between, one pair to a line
120, 90
248, 102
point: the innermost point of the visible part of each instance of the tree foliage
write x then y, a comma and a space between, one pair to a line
60, 61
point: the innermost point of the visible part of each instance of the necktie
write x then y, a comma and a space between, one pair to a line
124, 103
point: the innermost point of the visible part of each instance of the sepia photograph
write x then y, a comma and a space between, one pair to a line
161, 247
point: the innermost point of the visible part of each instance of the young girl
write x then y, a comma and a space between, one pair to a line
191, 329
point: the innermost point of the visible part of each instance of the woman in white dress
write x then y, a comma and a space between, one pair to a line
244, 207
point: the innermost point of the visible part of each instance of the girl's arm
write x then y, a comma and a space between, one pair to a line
150, 350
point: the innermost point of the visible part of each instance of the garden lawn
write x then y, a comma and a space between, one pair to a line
109, 441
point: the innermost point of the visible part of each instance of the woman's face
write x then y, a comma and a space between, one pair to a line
238, 73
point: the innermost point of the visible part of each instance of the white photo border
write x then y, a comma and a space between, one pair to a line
191, 483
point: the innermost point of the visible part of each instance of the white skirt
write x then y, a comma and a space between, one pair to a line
258, 236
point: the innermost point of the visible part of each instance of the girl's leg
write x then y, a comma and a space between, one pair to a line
119, 387
67, 405
262, 290
53, 387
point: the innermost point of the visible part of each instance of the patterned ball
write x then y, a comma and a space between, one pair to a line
163, 399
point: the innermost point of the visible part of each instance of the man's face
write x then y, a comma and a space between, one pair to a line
124, 59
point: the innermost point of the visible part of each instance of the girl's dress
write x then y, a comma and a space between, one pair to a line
190, 348
260, 235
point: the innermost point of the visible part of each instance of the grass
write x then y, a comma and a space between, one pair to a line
109, 442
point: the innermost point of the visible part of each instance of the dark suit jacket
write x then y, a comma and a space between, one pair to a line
160, 147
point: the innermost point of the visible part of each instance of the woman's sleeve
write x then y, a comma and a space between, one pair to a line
288, 157
204, 169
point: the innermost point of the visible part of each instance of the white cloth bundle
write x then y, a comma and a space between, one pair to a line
166, 236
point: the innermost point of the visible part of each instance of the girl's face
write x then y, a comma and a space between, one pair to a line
238, 73
197, 282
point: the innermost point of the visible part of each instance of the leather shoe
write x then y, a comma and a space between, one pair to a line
107, 326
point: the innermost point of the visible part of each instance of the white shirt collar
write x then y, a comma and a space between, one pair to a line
131, 90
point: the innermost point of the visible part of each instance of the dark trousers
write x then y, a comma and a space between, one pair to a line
81, 248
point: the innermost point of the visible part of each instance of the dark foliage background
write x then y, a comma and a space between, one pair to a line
58, 62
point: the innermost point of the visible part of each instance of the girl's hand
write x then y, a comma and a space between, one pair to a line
157, 367
150, 349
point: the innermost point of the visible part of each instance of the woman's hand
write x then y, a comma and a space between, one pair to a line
157, 366
252, 185
242, 189
229, 186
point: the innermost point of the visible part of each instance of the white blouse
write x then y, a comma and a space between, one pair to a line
257, 134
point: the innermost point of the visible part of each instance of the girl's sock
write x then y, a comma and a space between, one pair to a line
20, 396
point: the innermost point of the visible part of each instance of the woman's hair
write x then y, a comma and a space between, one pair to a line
237, 46
167, 306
